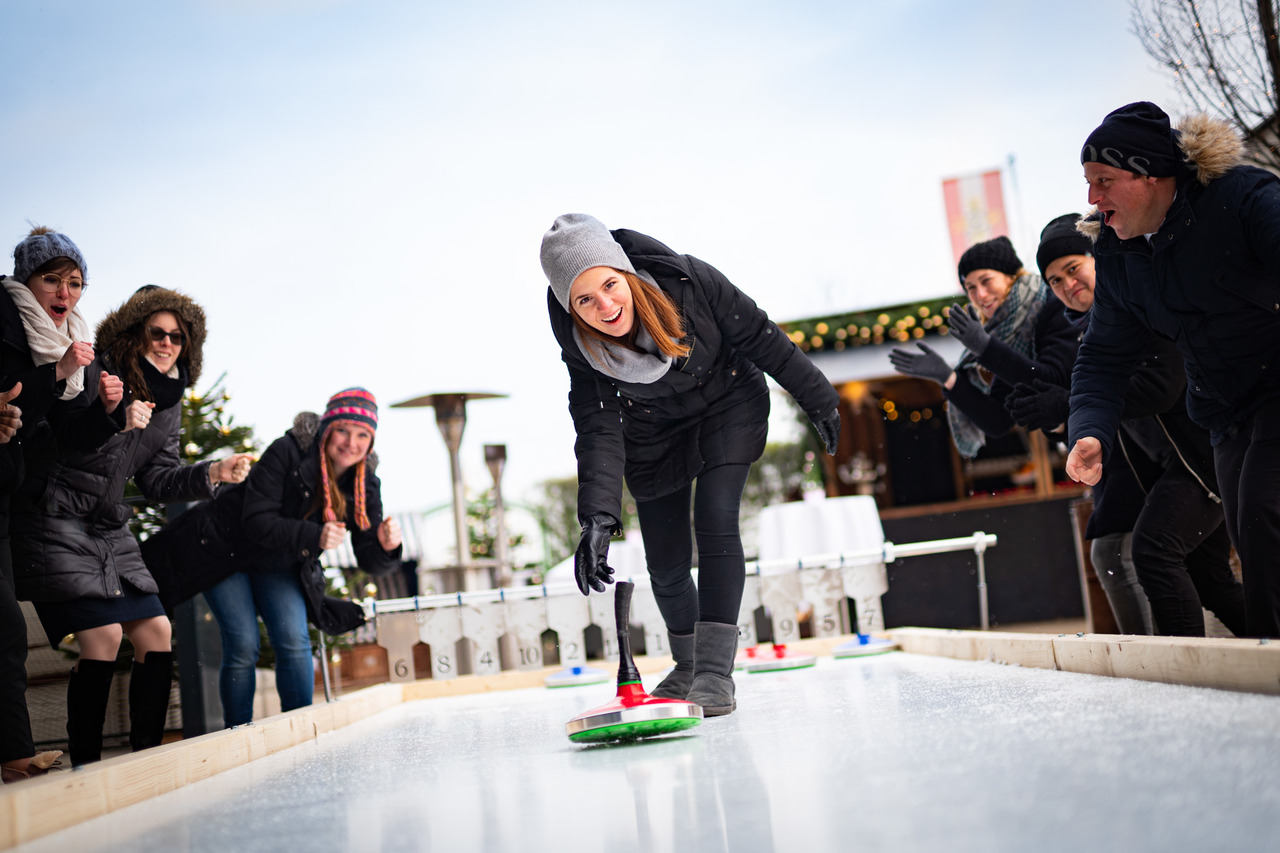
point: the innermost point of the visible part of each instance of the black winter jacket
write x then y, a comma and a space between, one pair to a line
1209, 280
70, 523
71, 537
1056, 340
710, 408
277, 526
209, 542
1155, 435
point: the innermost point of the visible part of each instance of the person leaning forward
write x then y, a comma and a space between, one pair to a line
1188, 248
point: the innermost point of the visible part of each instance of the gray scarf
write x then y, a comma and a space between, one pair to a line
1014, 322
623, 363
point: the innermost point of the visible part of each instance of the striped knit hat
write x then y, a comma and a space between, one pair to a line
355, 406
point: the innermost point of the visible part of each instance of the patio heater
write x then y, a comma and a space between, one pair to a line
451, 418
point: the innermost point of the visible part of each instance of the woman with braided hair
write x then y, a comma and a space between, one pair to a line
312, 485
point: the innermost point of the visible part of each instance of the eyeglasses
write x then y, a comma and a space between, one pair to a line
50, 283
158, 334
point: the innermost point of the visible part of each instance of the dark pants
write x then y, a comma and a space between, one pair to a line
1248, 466
15, 724
668, 547
1182, 554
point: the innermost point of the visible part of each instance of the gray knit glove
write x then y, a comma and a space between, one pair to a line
967, 329
925, 364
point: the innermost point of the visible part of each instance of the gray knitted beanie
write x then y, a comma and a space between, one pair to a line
36, 250
578, 242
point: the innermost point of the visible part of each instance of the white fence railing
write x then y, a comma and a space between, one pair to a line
486, 631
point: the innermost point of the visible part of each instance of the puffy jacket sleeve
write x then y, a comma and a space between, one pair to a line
748, 329
597, 419
596, 411
265, 523
1110, 350
369, 553
163, 477
1056, 343
81, 423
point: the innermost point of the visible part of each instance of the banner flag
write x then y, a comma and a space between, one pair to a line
975, 210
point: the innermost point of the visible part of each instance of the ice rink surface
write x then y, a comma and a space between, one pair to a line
896, 752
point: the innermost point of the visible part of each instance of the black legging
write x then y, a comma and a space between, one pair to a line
668, 547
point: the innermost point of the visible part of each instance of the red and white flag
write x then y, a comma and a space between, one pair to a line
975, 210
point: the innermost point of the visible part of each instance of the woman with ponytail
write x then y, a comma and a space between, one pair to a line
311, 487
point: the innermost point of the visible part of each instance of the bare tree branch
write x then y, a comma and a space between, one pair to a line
1224, 56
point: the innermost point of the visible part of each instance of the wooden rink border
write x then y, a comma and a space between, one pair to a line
64, 798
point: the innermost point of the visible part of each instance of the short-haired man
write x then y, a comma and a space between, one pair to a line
1188, 247
1156, 515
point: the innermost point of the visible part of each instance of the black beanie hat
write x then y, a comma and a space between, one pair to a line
1059, 239
997, 254
1137, 138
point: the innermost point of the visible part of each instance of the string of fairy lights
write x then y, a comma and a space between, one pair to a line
897, 324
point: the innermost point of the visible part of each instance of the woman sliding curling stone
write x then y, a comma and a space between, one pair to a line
666, 361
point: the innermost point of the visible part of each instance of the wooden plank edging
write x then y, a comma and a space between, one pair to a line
1250, 666
61, 799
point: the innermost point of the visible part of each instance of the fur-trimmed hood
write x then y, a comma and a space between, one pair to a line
1210, 147
305, 427
141, 305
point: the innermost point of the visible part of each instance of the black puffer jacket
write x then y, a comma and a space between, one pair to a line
710, 408
278, 529
70, 522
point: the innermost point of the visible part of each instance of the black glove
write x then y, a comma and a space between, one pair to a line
1038, 406
590, 568
926, 364
829, 430
967, 329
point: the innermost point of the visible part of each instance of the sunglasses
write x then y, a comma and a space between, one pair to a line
158, 334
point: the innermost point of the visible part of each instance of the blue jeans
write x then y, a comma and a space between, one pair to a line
236, 604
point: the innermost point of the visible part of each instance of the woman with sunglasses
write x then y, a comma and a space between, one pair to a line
44, 348
74, 555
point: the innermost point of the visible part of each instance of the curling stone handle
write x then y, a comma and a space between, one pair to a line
627, 671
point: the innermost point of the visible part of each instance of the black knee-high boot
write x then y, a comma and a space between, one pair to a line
149, 699
87, 692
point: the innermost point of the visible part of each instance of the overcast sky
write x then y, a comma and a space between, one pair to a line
356, 191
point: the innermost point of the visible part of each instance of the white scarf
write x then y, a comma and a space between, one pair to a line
46, 341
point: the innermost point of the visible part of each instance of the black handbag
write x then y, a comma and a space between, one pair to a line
189, 555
